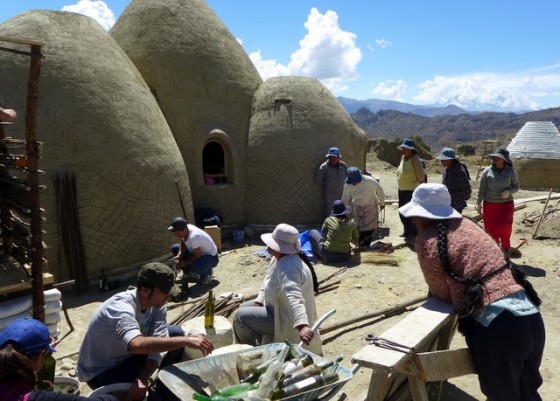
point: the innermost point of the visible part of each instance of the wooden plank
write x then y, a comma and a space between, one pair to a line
47, 279
21, 41
443, 365
416, 330
417, 388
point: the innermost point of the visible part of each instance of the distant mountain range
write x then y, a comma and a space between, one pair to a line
439, 126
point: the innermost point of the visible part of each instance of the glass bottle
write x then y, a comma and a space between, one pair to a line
209, 311
297, 364
102, 281
305, 385
236, 389
46, 374
310, 370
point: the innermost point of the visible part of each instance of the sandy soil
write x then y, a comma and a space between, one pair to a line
366, 288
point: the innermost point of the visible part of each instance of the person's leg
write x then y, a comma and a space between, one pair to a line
176, 355
203, 267
335, 257
251, 323
501, 353
409, 228
125, 372
490, 218
317, 242
506, 224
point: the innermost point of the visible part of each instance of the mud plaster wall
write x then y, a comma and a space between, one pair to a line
294, 122
204, 83
538, 174
98, 120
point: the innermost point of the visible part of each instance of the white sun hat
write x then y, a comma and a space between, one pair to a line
431, 201
284, 239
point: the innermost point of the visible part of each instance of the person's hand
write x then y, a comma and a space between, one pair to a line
200, 343
505, 194
306, 334
258, 303
137, 391
478, 208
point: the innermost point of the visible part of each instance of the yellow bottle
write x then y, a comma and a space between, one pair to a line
209, 312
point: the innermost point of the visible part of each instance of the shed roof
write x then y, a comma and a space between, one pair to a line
536, 140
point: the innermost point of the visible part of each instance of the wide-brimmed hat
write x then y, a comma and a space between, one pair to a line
158, 275
340, 209
447, 154
284, 239
178, 224
334, 152
353, 175
31, 335
431, 201
407, 144
502, 154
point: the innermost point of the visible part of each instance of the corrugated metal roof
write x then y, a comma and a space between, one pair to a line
536, 140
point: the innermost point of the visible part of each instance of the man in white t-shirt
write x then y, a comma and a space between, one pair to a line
196, 254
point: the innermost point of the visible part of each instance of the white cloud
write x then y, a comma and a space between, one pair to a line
391, 90
383, 43
97, 10
326, 52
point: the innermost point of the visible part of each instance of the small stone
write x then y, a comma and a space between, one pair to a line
358, 286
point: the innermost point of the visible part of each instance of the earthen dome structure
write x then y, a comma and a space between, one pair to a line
100, 123
204, 83
535, 152
294, 121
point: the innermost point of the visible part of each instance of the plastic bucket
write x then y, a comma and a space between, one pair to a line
66, 385
119, 390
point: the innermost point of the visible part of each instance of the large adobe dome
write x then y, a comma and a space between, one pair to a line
99, 121
204, 83
294, 122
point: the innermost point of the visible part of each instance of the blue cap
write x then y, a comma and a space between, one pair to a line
407, 144
30, 335
353, 175
334, 152
447, 154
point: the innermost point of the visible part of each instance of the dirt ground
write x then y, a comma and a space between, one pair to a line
368, 287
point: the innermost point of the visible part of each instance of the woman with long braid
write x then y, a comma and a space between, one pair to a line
498, 308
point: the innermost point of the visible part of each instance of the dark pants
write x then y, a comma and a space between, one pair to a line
203, 266
128, 370
366, 237
507, 356
317, 245
409, 227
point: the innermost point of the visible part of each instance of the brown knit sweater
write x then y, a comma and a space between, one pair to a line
472, 253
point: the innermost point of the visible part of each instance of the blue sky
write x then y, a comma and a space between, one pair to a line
477, 54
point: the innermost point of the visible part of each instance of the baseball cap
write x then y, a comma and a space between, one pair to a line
178, 224
30, 335
159, 275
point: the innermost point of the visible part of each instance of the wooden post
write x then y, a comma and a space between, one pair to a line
542, 214
33, 176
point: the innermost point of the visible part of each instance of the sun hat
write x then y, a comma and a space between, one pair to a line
407, 144
334, 152
158, 275
447, 154
353, 175
284, 239
340, 209
31, 335
431, 201
502, 154
178, 224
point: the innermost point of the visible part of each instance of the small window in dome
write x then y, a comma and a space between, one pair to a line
214, 164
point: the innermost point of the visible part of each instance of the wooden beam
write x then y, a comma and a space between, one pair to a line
21, 41
443, 365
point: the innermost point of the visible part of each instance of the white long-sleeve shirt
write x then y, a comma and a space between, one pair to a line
366, 192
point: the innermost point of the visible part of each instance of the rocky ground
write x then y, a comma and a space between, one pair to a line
367, 286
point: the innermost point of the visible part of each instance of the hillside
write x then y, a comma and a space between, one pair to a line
448, 130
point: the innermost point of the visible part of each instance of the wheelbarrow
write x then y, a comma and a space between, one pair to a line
197, 376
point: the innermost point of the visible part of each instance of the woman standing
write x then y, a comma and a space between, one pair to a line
368, 198
24, 344
410, 174
456, 178
332, 244
498, 308
285, 305
494, 201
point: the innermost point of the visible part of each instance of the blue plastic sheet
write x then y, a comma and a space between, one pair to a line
305, 247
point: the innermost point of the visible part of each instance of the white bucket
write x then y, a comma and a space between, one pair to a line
66, 385
119, 390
